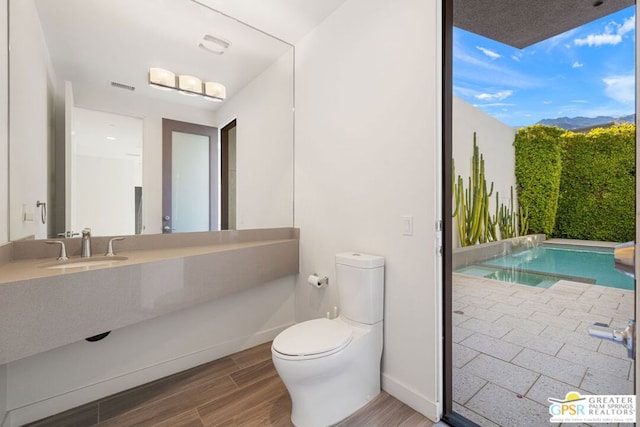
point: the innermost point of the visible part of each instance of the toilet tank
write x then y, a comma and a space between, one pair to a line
360, 281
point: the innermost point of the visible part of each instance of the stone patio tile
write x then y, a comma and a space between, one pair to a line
512, 310
493, 347
460, 334
614, 349
586, 316
478, 302
472, 291
486, 328
541, 307
554, 367
624, 313
605, 303
594, 360
534, 342
470, 415
555, 321
547, 387
562, 296
504, 374
508, 299
531, 326
540, 297
465, 385
569, 287
458, 305
505, 408
481, 313
598, 382
579, 338
457, 318
462, 355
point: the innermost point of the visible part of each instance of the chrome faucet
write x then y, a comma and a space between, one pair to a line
86, 243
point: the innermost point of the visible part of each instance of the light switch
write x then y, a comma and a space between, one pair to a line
407, 225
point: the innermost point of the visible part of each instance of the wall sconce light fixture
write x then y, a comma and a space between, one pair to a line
188, 85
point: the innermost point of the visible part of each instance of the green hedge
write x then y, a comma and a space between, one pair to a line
597, 188
538, 169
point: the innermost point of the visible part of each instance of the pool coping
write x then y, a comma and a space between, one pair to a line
470, 255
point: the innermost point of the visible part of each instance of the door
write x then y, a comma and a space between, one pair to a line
190, 200
520, 355
228, 177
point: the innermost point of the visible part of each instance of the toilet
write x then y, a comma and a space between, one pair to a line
331, 368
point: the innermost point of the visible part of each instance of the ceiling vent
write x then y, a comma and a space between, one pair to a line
123, 86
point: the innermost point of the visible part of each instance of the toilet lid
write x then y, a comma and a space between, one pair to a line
312, 337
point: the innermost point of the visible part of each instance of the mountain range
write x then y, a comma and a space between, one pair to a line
573, 123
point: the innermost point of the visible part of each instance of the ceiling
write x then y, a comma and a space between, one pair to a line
96, 42
521, 23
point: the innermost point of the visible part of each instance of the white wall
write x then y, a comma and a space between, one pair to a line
4, 148
264, 147
4, 173
31, 119
106, 187
495, 143
62, 378
367, 153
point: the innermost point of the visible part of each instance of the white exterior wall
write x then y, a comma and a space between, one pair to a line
495, 143
367, 152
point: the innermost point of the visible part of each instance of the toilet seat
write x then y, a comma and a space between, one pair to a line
312, 339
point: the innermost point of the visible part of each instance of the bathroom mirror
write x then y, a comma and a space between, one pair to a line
95, 56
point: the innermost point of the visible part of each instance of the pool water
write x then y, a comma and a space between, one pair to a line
543, 266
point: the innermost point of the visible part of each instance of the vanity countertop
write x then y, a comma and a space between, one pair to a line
44, 308
28, 269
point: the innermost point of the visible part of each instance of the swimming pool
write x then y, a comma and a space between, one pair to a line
542, 266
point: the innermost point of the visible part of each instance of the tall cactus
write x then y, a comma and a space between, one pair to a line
507, 220
473, 220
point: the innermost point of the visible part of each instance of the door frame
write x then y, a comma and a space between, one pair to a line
224, 174
168, 127
449, 415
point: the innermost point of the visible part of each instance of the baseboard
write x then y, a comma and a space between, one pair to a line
412, 398
73, 398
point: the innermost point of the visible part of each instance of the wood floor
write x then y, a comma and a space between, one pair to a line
239, 390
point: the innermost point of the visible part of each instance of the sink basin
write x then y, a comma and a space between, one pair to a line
84, 262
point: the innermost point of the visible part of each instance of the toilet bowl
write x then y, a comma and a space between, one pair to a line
331, 368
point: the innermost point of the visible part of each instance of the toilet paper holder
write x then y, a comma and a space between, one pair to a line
317, 281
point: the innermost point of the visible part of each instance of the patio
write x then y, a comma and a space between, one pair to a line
516, 345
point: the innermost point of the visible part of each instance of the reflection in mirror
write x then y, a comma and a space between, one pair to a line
88, 55
105, 171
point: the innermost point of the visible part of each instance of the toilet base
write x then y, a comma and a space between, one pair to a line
328, 389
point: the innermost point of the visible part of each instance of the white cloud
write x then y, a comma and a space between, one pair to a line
494, 104
599, 40
628, 26
621, 88
515, 58
498, 96
612, 34
490, 53
580, 101
577, 64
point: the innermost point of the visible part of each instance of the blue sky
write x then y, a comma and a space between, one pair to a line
588, 71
